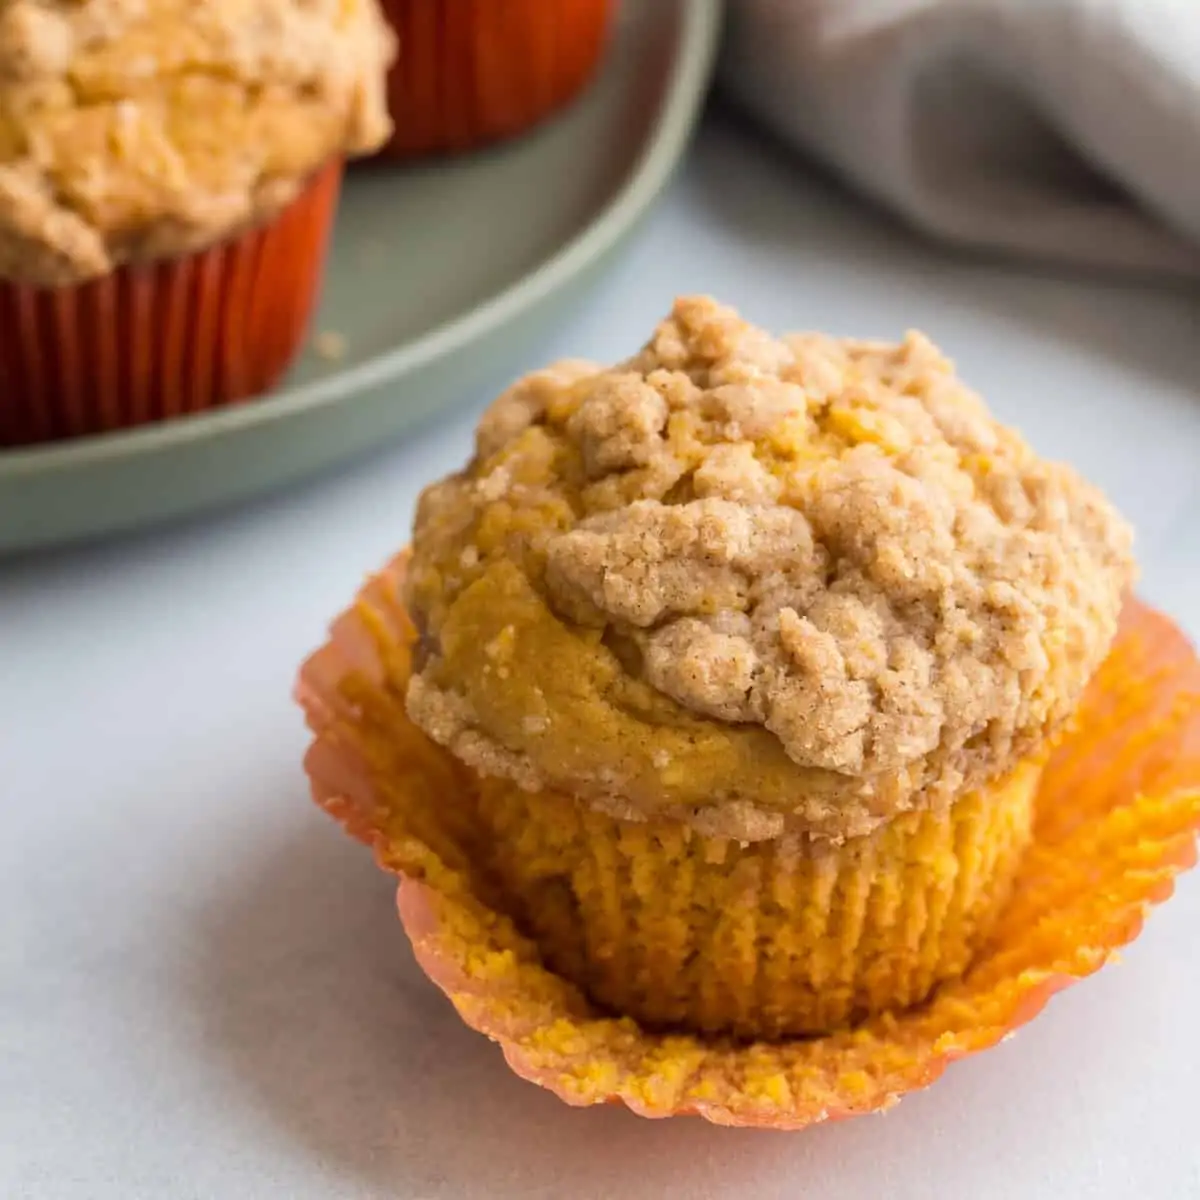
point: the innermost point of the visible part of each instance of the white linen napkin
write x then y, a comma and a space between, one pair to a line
1061, 129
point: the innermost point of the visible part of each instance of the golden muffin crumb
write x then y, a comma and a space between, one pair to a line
330, 345
757, 584
141, 129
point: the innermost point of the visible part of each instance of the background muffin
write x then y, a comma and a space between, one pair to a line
168, 177
754, 650
474, 71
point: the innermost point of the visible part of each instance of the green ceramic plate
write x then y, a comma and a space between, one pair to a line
438, 276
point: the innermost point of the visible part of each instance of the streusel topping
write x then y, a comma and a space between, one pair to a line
759, 585
132, 130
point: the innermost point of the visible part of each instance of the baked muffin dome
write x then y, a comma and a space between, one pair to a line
761, 586
134, 130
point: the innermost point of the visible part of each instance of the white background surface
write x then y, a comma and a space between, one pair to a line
204, 991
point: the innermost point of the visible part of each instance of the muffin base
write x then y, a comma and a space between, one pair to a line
165, 339
1117, 811
765, 939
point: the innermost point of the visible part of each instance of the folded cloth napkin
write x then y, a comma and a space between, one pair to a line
1062, 129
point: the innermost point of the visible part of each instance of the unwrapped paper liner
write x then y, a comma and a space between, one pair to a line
1117, 816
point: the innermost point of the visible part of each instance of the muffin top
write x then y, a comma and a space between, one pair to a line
763, 586
141, 129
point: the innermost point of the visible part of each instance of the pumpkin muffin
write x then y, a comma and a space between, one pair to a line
168, 178
749, 653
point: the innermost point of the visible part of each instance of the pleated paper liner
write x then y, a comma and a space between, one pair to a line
470, 72
1117, 813
761, 940
156, 341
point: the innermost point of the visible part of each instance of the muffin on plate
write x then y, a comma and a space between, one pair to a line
747, 655
168, 177
471, 72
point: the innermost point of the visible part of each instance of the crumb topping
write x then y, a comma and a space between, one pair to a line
141, 129
759, 584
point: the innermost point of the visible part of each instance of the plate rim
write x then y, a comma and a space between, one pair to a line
699, 38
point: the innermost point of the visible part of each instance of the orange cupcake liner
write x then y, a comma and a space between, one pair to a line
1118, 810
150, 342
754, 940
474, 71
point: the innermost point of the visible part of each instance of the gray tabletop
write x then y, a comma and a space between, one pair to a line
204, 991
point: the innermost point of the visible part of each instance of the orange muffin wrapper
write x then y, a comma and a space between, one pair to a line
150, 342
474, 71
1117, 814
757, 940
